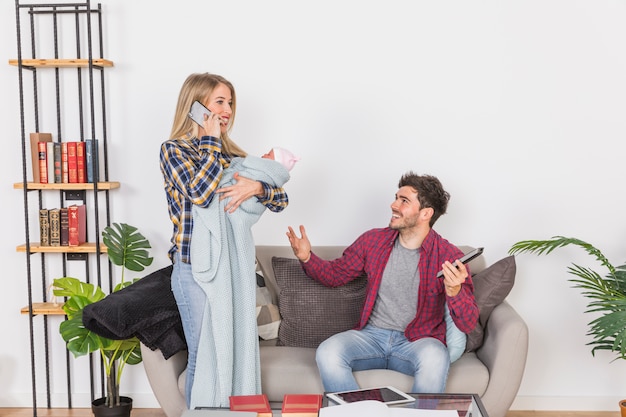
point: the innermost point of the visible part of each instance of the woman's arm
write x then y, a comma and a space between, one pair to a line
274, 198
194, 174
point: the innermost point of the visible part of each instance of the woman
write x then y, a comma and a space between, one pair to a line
192, 163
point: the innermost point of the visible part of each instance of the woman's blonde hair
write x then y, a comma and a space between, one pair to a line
199, 87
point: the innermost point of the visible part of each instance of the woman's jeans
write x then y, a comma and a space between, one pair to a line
427, 359
191, 302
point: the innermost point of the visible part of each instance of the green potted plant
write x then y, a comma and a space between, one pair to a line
606, 294
126, 247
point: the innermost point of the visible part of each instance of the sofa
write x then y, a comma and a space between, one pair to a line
492, 365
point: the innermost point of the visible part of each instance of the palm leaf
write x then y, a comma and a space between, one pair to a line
606, 295
79, 294
126, 247
541, 247
80, 341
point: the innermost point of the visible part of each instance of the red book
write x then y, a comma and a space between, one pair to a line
64, 174
43, 162
80, 162
301, 405
258, 403
72, 163
76, 225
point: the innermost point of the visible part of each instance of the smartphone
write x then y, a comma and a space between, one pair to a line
465, 259
197, 112
387, 395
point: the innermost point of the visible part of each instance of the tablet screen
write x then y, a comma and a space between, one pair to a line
383, 394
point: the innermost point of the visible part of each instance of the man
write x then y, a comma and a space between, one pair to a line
402, 323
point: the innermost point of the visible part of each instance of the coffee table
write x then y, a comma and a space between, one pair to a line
467, 405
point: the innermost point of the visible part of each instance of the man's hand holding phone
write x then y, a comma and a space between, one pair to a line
455, 273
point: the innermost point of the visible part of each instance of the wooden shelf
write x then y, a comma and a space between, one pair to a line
35, 247
46, 308
61, 63
66, 186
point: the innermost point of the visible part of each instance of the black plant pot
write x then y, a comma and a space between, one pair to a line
101, 410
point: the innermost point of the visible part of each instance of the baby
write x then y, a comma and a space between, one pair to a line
282, 155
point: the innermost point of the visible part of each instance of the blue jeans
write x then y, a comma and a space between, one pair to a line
427, 359
191, 301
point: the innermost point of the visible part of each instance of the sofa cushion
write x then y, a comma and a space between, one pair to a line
311, 312
491, 287
267, 315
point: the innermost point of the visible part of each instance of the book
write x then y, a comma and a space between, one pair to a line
64, 174
301, 405
58, 174
44, 228
35, 138
76, 225
64, 227
42, 162
373, 408
72, 163
50, 161
54, 216
80, 162
91, 160
256, 402
215, 412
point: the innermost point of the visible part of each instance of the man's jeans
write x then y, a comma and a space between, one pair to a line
191, 302
427, 359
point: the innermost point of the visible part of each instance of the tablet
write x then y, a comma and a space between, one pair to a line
387, 395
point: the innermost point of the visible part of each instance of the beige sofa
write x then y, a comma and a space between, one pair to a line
493, 371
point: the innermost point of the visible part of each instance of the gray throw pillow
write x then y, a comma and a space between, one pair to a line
491, 287
311, 312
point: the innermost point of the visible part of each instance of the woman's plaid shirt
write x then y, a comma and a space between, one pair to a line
192, 170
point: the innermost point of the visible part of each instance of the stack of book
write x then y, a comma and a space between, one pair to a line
62, 226
63, 162
294, 405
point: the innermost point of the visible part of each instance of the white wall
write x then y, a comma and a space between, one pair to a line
518, 106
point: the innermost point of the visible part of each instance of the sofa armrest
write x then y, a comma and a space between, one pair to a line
504, 352
163, 377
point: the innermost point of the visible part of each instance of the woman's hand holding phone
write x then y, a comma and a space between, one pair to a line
211, 125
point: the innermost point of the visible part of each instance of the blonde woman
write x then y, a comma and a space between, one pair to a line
192, 163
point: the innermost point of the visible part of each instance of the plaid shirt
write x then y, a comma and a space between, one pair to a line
192, 170
370, 253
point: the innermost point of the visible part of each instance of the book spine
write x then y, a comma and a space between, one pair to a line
64, 172
50, 161
80, 162
64, 227
35, 138
55, 227
44, 228
43, 162
91, 160
72, 167
76, 225
58, 174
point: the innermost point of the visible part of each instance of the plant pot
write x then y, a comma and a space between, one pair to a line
622, 408
122, 410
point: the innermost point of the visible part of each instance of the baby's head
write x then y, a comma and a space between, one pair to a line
282, 155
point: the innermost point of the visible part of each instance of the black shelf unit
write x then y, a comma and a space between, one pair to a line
60, 48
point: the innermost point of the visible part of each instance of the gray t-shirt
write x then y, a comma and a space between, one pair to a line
396, 303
